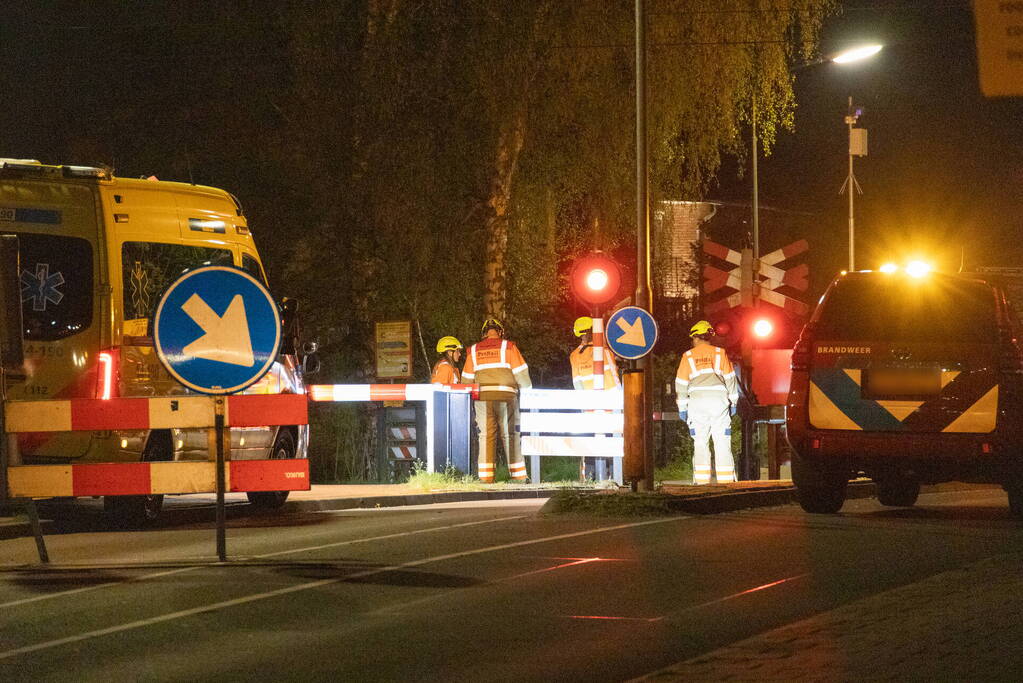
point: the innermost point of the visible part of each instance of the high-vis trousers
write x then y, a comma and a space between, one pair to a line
709, 419
493, 417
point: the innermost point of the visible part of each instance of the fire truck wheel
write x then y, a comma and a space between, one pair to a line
1015, 491
284, 449
897, 491
819, 489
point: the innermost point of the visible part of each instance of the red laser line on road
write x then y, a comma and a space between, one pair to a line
748, 591
581, 560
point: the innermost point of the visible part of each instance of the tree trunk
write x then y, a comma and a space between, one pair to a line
509, 146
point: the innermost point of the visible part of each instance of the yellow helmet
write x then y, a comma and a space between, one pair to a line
491, 323
448, 343
701, 328
583, 325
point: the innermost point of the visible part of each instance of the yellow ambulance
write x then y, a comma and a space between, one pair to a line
96, 254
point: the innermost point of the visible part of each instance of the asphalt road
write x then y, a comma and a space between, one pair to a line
473, 591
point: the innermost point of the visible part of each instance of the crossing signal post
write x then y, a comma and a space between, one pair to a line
756, 316
596, 280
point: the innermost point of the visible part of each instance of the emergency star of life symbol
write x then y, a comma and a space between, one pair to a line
41, 287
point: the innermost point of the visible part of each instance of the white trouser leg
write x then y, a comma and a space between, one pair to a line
721, 432
705, 410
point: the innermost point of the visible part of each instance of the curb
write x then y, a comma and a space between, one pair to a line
206, 513
631, 504
730, 502
328, 504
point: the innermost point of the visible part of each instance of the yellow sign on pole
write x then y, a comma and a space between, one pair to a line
394, 350
1000, 46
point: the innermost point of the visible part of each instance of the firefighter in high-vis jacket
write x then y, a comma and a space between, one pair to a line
581, 359
445, 370
497, 366
707, 398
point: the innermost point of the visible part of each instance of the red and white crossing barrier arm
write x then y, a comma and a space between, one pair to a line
341, 393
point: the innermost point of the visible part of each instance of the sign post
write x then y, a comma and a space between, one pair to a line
393, 350
217, 330
631, 333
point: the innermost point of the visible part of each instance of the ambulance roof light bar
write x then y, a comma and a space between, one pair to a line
29, 165
87, 172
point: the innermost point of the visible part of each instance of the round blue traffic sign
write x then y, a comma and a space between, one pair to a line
217, 330
631, 332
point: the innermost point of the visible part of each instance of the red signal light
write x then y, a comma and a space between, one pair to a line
596, 279
762, 328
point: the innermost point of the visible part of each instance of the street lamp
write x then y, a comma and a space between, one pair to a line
849, 56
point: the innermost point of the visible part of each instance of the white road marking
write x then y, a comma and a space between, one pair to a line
314, 584
182, 570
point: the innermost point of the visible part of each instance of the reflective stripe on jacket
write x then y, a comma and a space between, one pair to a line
445, 373
498, 367
705, 368
582, 368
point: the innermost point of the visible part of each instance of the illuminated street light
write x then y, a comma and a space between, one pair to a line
889, 268
857, 140
855, 54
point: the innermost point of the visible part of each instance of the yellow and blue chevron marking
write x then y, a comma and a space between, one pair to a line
968, 402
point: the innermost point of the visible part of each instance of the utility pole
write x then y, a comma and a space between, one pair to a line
857, 147
639, 390
749, 292
756, 182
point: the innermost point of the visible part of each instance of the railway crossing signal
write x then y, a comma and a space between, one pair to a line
752, 316
755, 279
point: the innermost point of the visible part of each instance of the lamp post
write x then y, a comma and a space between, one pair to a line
849, 56
857, 147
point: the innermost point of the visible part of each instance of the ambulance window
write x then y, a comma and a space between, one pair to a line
56, 286
148, 268
252, 267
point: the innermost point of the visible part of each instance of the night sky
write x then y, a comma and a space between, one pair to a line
944, 174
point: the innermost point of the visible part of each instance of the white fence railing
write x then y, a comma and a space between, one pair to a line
572, 423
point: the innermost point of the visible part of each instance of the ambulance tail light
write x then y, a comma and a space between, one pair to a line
106, 374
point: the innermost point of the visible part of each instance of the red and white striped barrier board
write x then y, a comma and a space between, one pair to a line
152, 478
340, 393
167, 412
403, 433
403, 452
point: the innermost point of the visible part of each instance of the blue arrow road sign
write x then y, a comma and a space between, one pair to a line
631, 332
217, 330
